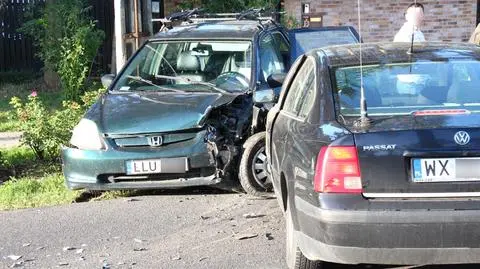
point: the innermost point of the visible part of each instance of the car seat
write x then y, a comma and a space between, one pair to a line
188, 66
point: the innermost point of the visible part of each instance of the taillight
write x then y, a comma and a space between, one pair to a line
338, 170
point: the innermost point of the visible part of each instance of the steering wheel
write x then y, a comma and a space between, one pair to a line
239, 77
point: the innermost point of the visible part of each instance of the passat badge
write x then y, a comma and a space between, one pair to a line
462, 138
155, 141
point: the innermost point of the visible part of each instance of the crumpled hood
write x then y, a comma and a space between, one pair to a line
144, 112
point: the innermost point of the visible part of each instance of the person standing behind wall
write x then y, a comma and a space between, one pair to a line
414, 16
475, 38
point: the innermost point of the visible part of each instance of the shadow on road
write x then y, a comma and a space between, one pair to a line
454, 266
203, 190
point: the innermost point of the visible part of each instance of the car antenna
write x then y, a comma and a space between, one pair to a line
364, 121
410, 51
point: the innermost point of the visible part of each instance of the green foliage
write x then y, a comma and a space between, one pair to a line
68, 42
10, 158
34, 192
228, 6
45, 131
290, 21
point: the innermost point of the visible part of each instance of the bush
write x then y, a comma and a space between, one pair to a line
46, 131
68, 42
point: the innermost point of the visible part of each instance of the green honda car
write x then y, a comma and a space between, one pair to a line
187, 110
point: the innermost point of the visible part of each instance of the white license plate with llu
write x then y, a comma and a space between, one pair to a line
156, 166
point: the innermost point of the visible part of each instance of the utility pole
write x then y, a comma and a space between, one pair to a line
120, 54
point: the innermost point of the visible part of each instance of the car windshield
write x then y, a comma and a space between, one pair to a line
186, 66
405, 88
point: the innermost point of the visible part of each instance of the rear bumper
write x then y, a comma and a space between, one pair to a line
388, 237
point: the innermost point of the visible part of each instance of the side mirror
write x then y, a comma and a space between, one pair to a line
107, 80
276, 80
265, 96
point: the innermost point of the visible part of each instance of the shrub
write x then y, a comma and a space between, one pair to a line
45, 131
68, 42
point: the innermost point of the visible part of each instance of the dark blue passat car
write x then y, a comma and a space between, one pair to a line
391, 178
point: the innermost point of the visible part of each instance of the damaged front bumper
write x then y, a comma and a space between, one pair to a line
107, 169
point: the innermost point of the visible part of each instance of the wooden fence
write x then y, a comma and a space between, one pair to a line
17, 52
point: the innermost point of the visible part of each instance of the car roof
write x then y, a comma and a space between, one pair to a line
390, 52
228, 30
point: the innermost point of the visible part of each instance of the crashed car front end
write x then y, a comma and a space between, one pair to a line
165, 129
201, 155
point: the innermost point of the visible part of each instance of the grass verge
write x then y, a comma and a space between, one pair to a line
32, 183
35, 192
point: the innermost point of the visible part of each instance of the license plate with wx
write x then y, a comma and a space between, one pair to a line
446, 170
157, 166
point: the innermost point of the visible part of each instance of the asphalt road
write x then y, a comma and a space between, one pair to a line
169, 230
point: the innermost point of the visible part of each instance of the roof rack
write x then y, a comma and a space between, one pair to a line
186, 17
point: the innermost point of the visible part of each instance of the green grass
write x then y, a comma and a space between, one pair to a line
17, 156
35, 192
34, 184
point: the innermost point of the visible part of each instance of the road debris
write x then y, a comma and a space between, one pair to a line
246, 236
269, 236
14, 257
17, 264
253, 216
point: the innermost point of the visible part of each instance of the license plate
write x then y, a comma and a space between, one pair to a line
157, 166
446, 170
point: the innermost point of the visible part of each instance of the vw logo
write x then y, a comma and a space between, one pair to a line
155, 141
462, 138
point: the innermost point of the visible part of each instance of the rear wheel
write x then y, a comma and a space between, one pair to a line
295, 258
253, 166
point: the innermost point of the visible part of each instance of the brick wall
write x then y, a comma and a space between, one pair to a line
445, 20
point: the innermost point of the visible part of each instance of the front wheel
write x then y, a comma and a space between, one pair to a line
294, 256
253, 166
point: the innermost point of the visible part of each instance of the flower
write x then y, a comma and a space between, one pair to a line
34, 94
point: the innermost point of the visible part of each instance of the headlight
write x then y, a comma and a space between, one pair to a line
86, 136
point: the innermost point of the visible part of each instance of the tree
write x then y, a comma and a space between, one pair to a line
219, 6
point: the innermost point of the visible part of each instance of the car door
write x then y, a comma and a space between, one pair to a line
288, 151
279, 138
305, 39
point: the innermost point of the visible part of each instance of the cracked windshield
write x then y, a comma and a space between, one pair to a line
201, 66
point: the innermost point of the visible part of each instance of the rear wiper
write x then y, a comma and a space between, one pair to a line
138, 78
189, 81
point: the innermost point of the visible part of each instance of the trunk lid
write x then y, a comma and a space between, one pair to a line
305, 39
420, 156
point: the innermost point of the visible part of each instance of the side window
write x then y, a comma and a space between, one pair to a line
302, 90
271, 61
281, 42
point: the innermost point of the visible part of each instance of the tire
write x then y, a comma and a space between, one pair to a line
254, 181
294, 256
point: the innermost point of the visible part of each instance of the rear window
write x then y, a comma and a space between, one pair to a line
404, 88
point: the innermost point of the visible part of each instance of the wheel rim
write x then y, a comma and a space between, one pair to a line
259, 168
